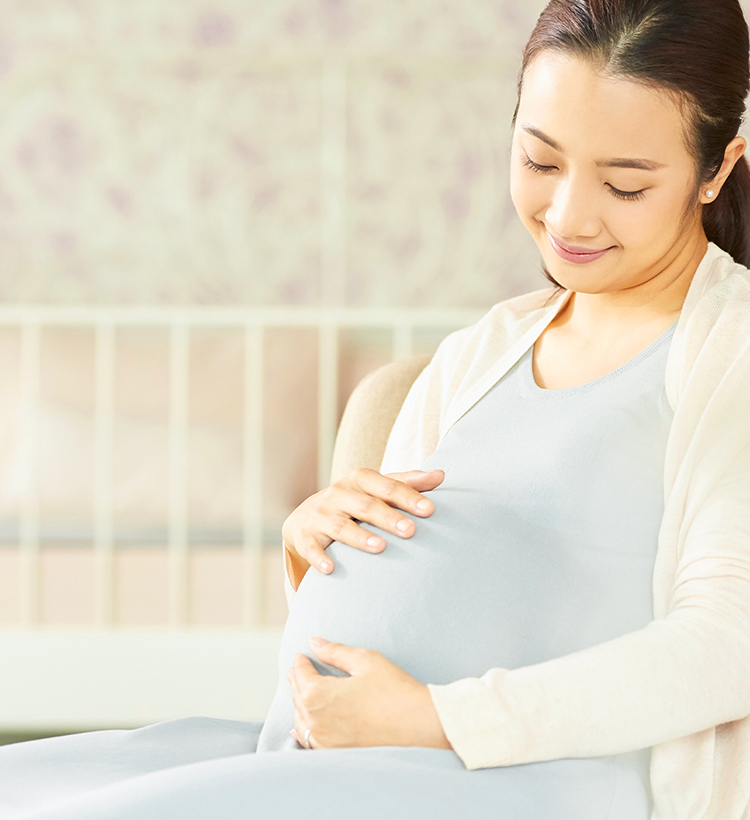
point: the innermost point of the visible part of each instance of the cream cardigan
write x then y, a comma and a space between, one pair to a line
682, 684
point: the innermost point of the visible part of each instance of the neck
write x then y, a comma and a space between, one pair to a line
656, 300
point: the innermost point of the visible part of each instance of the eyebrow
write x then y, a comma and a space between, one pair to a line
639, 164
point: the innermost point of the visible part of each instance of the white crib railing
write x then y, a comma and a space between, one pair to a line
57, 679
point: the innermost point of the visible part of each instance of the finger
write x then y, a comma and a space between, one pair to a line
299, 703
350, 532
346, 506
299, 737
298, 732
368, 509
397, 493
352, 659
420, 480
310, 548
368, 496
305, 673
295, 733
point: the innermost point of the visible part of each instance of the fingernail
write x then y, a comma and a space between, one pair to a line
326, 565
424, 504
403, 525
374, 541
318, 641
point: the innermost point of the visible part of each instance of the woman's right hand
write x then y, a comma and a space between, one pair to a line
364, 495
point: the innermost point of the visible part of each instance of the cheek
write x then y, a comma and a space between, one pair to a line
632, 223
647, 224
660, 218
529, 195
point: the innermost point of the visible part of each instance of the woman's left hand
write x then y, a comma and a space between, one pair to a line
378, 705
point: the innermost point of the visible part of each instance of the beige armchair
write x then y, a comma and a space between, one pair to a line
370, 413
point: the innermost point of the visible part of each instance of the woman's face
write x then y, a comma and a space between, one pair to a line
600, 164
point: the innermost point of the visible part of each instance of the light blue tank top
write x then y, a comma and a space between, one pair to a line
542, 542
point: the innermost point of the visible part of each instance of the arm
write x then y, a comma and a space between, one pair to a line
683, 673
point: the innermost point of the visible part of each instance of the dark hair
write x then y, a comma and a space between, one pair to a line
698, 49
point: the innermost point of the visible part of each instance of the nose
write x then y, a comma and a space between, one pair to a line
572, 212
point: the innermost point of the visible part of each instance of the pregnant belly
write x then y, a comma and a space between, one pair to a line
479, 585
432, 604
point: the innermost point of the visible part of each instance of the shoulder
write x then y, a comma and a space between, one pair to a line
713, 332
719, 282
717, 306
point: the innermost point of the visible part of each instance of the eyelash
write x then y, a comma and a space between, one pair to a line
628, 196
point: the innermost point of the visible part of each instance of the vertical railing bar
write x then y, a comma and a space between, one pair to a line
403, 342
328, 371
29, 577
179, 363
252, 512
104, 385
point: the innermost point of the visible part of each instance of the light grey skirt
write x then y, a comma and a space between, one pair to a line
207, 769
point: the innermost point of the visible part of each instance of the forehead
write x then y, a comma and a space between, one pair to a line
589, 112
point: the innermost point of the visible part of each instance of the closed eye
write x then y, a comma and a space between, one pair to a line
540, 169
628, 196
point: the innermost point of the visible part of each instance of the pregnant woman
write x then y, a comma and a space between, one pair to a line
539, 607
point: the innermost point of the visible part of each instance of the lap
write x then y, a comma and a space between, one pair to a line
61, 769
198, 768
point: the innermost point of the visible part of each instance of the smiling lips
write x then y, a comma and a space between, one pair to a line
572, 254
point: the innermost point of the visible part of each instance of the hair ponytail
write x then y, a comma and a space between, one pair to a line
727, 220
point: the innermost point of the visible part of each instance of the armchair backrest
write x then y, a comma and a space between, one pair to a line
370, 413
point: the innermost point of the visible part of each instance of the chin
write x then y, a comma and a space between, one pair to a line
574, 277
587, 278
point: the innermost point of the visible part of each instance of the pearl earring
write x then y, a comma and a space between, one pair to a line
709, 193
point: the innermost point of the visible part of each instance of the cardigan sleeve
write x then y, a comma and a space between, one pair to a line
682, 674
295, 570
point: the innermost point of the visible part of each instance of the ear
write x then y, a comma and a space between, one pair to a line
733, 154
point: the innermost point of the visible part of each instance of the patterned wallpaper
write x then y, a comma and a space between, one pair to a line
260, 153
